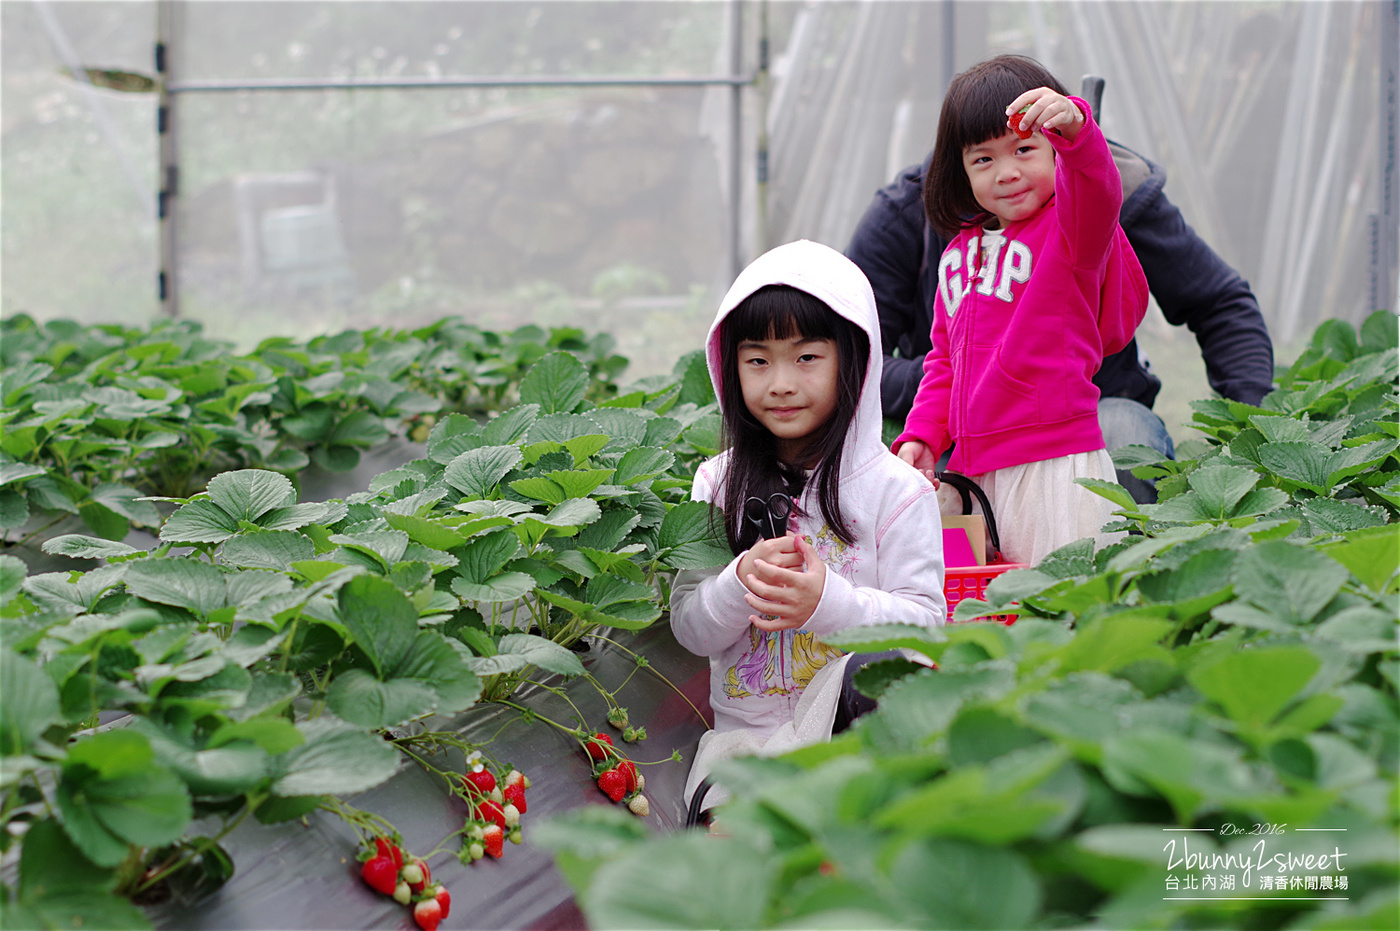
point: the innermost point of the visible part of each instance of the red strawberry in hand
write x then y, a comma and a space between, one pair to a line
614, 784
494, 840
427, 913
1019, 124
515, 795
380, 874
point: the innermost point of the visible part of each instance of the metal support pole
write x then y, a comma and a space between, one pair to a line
1384, 292
764, 88
950, 45
169, 161
736, 133
215, 86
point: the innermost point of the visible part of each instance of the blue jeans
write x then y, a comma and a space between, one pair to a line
1128, 423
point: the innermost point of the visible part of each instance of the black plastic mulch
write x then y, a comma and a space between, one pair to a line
305, 876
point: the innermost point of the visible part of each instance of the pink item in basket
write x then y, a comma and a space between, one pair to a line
957, 548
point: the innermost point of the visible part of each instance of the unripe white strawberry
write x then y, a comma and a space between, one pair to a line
402, 894
412, 873
476, 850
639, 805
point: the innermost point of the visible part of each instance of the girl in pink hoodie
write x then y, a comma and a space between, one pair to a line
1037, 286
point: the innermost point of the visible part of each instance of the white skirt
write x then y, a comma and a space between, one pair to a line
1038, 508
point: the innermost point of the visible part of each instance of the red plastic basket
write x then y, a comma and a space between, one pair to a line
961, 582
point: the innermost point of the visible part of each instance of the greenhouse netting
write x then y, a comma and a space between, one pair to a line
304, 167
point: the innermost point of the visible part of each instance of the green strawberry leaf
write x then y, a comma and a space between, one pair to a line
380, 618
334, 760
273, 549
692, 537
185, 583
357, 696
1292, 582
557, 383
476, 473
28, 704
1254, 686
250, 493
200, 521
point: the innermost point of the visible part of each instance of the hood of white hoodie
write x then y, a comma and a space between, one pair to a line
835, 280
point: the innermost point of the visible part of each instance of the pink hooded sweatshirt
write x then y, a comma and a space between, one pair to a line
1017, 340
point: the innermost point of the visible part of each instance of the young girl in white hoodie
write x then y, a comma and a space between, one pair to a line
794, 354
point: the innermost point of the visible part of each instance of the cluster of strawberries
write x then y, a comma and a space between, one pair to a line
386, 869
617, 776
494, 810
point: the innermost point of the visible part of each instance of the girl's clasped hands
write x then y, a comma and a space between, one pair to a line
784, 577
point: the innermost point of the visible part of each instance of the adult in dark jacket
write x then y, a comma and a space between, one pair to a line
898, 250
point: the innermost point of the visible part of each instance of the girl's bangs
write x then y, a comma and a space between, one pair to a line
983, 115
780, 312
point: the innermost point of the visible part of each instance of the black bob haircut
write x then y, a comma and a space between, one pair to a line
974, 110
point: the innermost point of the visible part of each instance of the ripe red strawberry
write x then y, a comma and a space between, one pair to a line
1016, 123
482, 779
495, 840
387, 848
443, 899
492, 813
595, 748
428, 913
614, 784
515, 795
380, 874
629, 770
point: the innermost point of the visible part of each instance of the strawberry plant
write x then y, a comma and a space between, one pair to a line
1222, 684
95, 417
265, 648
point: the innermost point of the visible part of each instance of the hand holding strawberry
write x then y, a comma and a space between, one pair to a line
1044, 109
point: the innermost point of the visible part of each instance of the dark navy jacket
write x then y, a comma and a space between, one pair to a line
898, 251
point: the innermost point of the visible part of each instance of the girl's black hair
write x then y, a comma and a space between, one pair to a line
974, 111
754, 470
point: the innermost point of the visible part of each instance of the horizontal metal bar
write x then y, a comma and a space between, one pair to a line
544, 80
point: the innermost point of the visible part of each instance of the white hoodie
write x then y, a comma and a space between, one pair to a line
891, 574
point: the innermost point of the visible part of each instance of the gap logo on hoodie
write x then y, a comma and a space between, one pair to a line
994, 262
